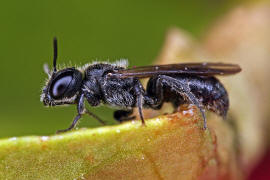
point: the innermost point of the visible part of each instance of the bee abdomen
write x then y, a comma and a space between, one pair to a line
211, 94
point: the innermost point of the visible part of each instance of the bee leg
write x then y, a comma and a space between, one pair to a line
182, 89
81, 110
74, 123
94, 116
155, 92
123, 115
139, 91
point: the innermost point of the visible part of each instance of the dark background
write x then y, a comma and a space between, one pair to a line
87, 31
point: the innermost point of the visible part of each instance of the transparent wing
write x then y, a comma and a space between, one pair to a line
201, 69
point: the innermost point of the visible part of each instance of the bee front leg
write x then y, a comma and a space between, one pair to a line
74, 123
80, 109
94, 116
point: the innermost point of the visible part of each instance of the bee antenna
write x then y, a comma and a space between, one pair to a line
54, 53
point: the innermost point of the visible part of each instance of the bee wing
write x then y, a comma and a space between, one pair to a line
201, 69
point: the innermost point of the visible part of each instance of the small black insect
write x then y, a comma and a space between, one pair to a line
114, 85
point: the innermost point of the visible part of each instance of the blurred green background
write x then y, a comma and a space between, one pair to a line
86, 31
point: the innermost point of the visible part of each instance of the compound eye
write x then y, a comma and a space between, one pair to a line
60, 86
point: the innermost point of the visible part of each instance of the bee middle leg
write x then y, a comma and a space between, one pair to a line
140, 98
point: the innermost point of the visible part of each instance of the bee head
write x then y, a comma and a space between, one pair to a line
63, 85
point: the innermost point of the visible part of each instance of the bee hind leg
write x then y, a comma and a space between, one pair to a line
177, 85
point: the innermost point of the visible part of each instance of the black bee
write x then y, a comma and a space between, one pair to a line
114, 85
